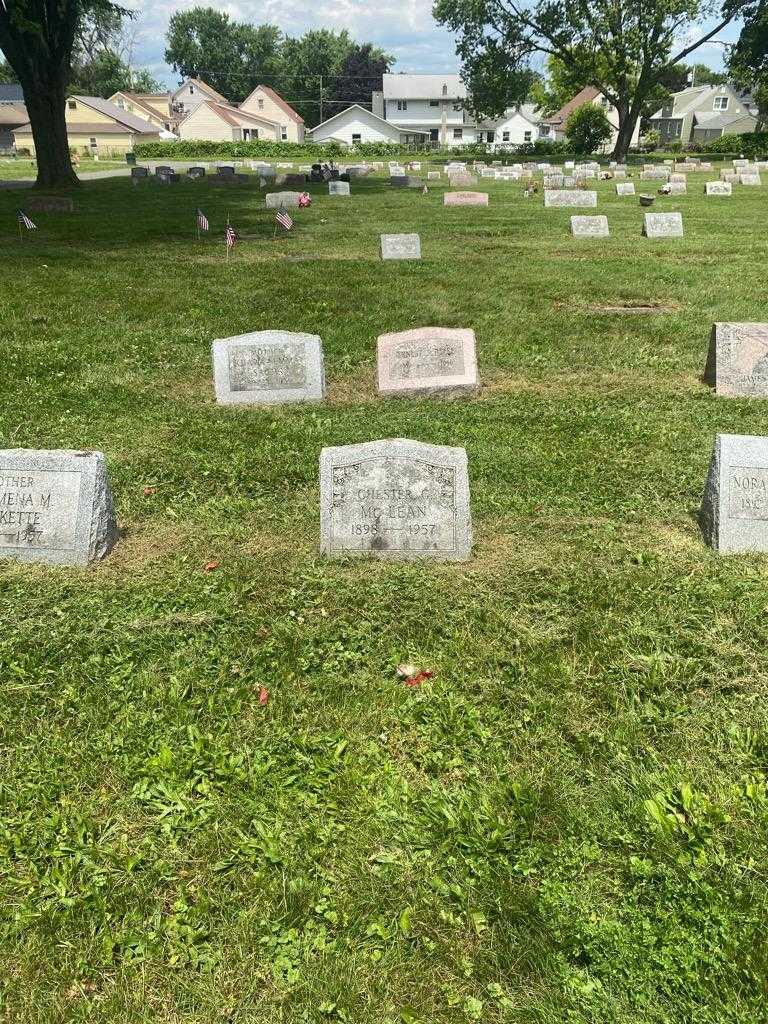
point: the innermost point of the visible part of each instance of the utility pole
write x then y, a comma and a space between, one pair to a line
321, 99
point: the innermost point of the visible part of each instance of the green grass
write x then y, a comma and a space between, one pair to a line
13, 169
569, 822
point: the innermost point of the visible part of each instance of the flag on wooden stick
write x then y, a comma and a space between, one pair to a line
284, 219
202, 221
24, 219
231, 236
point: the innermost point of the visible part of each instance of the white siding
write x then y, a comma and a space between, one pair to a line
355, 122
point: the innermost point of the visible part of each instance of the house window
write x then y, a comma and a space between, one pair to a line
357, 138
72, 105
505, 136
490, 136
283, 133
261, 104
458, 133
667, 110
402, 104
721, 103
250, 134
544, 130
527, 137
434, 103
191, 90
93, 143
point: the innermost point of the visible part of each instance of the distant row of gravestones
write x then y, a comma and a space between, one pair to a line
396, 498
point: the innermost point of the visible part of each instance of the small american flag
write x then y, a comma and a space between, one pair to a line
327, 175
24, 219
304, 200
283, 218
202, 221
231, 237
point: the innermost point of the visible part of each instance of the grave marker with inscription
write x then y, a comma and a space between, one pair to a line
338, 188
395, 499
55, 507
427, 361
400, 247
268, 368
625, 188
50, 204
274, 200
719, 188
465, 199
663, 225
566, 197
589, 227
737, 362
734, 509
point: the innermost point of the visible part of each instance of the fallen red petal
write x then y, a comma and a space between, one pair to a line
149, 490
210, 566
418, 679
263, 695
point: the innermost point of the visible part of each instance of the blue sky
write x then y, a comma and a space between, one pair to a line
404, 28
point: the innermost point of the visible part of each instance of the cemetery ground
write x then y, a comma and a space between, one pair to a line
219, 800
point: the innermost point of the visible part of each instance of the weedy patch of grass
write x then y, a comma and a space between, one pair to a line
569, 820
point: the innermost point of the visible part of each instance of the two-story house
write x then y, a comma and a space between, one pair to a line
266, 103
189, 95
554, 127
704, 112
430, 107
13, 114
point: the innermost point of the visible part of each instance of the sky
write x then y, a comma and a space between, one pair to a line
404, 28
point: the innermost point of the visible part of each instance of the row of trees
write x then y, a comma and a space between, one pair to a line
627, 50
319, 73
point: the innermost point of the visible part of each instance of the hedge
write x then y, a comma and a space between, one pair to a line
308, 151
750, 144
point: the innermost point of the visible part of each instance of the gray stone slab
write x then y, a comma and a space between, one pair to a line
465, 199
734, 509
395, 499
398, 180
49, 204
434, 175
274, 200
719, 188
400, 247
139, 172
462, 180
589, 227
663, 225
338, 188
568, 197
427, 361
268, 368
625, 188
55, 507
676, 188
737, 362
196, 172
750, 179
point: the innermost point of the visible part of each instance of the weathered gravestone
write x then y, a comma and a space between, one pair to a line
676, 188
619, 172
465, 199
55, 507
554, 181
294, 180
567, 197
163, 169
719, 188
663, 225
427, 361
589, 227
398, 180
734, 509
267, 368
749, 179
50, 204
338, 188
400, 247
395, 499
625, 188
412, 182
225, 169
434, 175
462, 180
139, 172
196, 172
274, 200
737, 362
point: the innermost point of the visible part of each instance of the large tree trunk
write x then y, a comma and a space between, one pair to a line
627, 122
46, 104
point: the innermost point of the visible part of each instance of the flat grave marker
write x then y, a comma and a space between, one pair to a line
663, 225
465, 199
427, 361
590, 227
400, 247
568, 197
268, 368
718, 188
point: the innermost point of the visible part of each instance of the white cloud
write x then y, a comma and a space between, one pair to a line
405, 28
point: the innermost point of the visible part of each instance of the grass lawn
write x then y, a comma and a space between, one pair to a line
569, 821
13, 169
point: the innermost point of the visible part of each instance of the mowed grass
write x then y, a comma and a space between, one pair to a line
569, 821
20, 168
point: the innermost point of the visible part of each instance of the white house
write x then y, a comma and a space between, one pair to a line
190, 94
518, 126
265, 102
427, 105
219, 122
356, 124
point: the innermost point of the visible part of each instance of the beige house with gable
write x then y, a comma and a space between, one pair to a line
265, 102
153, 107
220, 122
97, 127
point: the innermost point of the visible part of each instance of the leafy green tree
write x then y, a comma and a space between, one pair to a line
621, 49
588, 128
360, 74
107, 73
38, 39
312, 65
748, 61
233, 57
7, 75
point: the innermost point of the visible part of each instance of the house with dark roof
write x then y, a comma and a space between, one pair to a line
705, 112
13, 114
554, 127
221, 122
265, 102
154, 107
96, 127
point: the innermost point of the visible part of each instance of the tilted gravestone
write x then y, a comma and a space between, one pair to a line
734, 510
55, 507
274, 200
338, 188
427, 361
663, 225
268, 368
400, 247
50, 204
737, 362
395, 499
625, 188
719, 188
566, 197
589, 227
465, 199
